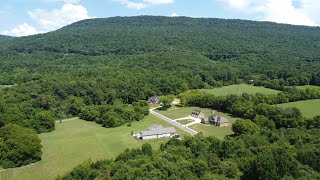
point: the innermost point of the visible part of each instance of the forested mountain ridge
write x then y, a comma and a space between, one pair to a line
3, 37
129, 35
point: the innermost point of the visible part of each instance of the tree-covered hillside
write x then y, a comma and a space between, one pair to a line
278, 51
2, 37
128, 35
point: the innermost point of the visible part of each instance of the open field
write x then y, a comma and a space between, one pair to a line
76, 141
239, 89
207, 130
176, 112
309, 108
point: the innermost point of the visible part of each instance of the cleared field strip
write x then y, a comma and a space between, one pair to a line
239, 89
309, 108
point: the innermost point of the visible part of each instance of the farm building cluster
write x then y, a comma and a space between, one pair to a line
213, 119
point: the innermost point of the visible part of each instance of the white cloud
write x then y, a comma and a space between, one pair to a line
236, 4
158, 2
130, 4
174, 15
284, 12
21, 30
65, 1
49, 20
280, 11
57, 18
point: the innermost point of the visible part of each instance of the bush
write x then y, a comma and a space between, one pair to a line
18, 146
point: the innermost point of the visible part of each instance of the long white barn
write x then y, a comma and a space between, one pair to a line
157, 131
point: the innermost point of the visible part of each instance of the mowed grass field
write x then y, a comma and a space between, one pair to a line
239, 89
309, 108
208, 130
74, 142
176, 112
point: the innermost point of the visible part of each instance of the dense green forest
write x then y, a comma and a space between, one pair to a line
3, 38
100, 68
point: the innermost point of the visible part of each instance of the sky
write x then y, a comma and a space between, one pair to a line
28, 17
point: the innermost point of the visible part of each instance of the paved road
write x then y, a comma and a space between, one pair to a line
168, 120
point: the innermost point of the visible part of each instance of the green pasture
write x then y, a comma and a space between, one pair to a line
239, 89
309, 108
76, 141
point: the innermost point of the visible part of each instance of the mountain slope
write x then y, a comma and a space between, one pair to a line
129, 35
3, 37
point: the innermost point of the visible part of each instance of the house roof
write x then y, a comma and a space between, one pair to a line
223, 120
197, 112
215, 118
157, 129
153, 98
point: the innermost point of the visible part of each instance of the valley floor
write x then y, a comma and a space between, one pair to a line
76, 141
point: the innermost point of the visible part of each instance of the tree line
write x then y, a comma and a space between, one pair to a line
115, 115
259, 107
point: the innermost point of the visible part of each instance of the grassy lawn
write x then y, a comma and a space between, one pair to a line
211, 130
239, 89
76, 141
154, 105
308, 108
185, 121
180, 112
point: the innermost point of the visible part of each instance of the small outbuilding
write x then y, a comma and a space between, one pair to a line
153, 100
198, 114
156, 131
